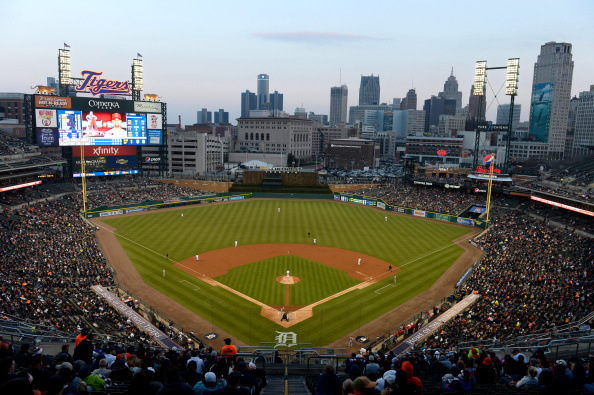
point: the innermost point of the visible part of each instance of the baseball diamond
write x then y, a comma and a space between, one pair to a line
230, 297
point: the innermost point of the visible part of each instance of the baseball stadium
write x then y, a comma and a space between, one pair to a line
122, 274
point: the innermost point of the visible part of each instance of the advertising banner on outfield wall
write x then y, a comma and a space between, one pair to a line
381, 205
442, 217
419, 213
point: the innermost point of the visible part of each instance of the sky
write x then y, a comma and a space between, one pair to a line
204, 54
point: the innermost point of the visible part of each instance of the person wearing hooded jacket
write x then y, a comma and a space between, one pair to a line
408, 368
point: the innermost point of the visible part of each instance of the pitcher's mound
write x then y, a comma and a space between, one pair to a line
288, 280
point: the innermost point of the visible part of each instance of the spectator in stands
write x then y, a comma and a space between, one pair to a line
372, 369
221, 368
7, 366
102, 369
328, 383
209, 384
234, 386
81, 336
84, 350
229, 350
174, 385
64, 355
38, 372
485, 372
23, 357
247, 379
119, 371
363, 386
199, 363
529, 381
55, 386
92, 380
408, 368
190, 375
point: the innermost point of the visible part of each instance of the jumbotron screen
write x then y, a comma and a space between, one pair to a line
78, 121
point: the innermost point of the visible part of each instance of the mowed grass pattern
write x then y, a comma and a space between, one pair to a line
258, 280
423, 249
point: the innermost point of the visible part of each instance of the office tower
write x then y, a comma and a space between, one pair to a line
276, 101
473, 105
204, 116
408, 122
551, 92
249, 102
300, 112
410, 101
221, 116
450, 90
338, 104
503, 115
435, 107
583, 135
263, 89
369, 92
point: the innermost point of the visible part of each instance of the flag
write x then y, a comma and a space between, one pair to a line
139, 55
66, 45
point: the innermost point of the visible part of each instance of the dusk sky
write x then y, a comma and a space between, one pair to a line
204, 54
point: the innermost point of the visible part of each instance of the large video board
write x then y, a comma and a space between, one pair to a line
105, 160
77, 121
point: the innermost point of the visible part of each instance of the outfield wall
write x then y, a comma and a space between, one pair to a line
380, 203
105, 211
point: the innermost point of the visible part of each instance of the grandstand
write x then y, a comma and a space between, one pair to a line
533, 290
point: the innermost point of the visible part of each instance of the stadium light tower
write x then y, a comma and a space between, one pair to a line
137, 78
480, 75
64, 79
511, 89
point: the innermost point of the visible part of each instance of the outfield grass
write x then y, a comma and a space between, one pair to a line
423, 249
258, 280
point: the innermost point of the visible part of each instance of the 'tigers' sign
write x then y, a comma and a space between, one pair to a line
100, 86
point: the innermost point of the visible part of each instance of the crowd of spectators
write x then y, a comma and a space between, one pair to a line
100, 366
436, 200
533, 278
51, 260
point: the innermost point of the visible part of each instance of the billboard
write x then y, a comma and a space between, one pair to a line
47, 137
540, 110
99, 122
106, 160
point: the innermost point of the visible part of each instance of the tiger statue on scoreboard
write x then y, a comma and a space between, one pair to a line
151, 97
44, 90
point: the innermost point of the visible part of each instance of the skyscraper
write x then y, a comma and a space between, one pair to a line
503, 115
221, 116
204, 116
473, 105
450, 90
583, 140
369, 92
263, 89
276, 101
338, 104
551, 93
410, 101
249, 102
435, 107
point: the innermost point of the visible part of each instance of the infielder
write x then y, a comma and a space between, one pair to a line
359, 262
235, 243
314, 241
163, 272
197, 257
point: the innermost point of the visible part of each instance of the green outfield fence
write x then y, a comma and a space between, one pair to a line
148, 205
380, 203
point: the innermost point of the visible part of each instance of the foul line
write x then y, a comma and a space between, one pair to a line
377, 290
186, 281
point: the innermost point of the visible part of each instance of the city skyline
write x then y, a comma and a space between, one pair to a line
209, 64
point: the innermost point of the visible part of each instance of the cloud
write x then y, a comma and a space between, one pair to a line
313, 37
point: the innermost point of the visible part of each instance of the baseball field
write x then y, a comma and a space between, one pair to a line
348, 265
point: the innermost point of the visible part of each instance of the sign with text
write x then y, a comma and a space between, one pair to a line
52, 101
101, 86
